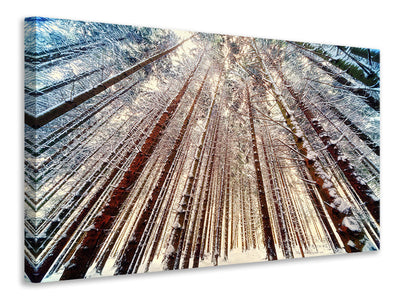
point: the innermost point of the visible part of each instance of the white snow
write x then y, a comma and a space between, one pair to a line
312, 155
369, 246
177, 225
334, 142
351, 223
89, 228
170, 250
341, 205
351, 244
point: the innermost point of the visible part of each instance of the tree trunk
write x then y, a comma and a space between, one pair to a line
132, 256
277, 199
93, 239
266, 220
353, 238
53, 113
172, 257
202, 222
361, 188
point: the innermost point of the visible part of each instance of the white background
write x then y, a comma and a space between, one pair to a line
356, 23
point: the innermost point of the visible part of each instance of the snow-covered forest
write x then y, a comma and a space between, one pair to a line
150, 149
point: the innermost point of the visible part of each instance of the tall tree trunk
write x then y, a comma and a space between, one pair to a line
53, 113
353, 237
125, 216
93, 239
361, 188
165, 214
220, 210
243, 219
172, 257
206, 203
57, 249
132, 256
191, 238
227, 210
191, 235
277, 199
265, 216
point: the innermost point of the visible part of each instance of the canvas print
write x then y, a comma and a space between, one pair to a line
152, 149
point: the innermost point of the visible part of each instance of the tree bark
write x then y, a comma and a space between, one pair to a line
172, 258
53, 113
361, 188
93, 239
131, 259
265, 216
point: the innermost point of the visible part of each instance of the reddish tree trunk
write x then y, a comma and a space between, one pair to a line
266, 220
131, 259
93, 239
361, 188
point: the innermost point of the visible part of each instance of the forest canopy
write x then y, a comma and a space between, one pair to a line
149, 149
